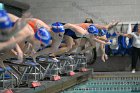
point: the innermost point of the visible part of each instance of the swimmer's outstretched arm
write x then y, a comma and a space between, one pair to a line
94, 45
108, 26
100, 41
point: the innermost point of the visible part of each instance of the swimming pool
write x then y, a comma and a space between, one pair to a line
119, 82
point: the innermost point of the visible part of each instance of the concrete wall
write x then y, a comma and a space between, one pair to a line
76, 11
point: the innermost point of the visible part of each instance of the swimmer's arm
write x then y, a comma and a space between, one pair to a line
20, 23
32, 43
97, 39
22, 35
18, 26
25, 34
18, 52
100, 41
28, 48
108, 26
103, 26
13, 17
8, 44
103, 39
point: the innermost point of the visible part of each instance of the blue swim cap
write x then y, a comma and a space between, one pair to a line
5, 21
43, 35
111, 40
93, 30
114, 34
102, 32
57, 27
108, 35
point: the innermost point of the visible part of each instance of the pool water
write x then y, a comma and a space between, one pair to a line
109, 83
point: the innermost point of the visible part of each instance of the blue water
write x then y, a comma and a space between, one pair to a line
112, 84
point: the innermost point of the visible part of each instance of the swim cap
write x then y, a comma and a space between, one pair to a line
43, 35
111, 40
93, 30
114, 34
57, 27
5, 21
102, 32
108, 35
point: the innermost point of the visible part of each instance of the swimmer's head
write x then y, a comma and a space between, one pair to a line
57, 27
88, 20
5, 22
102, 32
114, 34
43, 35
93, 30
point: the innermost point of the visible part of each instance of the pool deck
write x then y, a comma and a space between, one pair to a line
48, 86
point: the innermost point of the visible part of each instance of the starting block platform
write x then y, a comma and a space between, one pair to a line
48, 86
30, 72
33, 77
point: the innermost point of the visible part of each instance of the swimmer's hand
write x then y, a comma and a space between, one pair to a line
108, 43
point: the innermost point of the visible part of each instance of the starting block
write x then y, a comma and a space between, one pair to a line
31, 71
80, 62
52, 68
6, 77
67, 66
